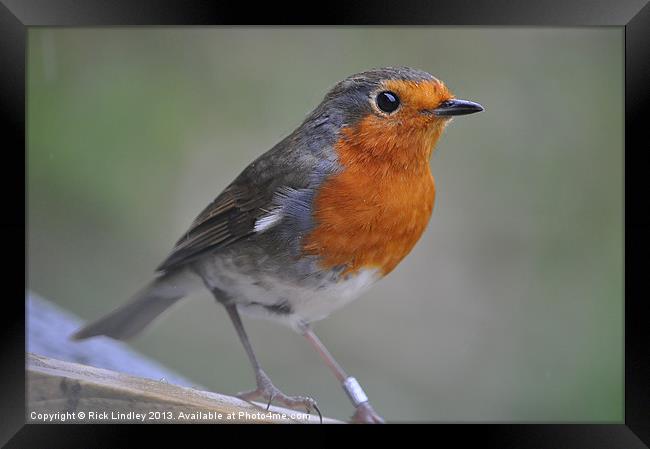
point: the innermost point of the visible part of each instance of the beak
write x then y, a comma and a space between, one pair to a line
457, 107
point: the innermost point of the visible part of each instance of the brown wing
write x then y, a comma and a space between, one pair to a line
229, 218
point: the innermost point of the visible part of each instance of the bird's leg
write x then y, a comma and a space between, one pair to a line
364, 412
265, 389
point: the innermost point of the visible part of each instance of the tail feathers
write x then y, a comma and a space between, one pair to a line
131, 318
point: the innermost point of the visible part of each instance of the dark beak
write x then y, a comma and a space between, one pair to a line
457, 107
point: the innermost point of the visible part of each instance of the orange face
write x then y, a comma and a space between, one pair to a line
373, 212
407, 135
416, 97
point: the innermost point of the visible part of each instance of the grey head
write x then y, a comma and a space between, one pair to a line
350, 99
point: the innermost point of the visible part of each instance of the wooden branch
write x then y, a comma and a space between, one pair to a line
59, 391
48, 333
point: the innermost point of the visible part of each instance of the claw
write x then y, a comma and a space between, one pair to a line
268, 391
320, 416
271, 396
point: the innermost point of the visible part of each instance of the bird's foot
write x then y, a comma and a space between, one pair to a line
270, 393
365, 414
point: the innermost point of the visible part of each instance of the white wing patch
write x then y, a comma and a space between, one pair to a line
267, 221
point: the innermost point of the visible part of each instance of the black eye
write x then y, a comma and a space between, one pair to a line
387, 101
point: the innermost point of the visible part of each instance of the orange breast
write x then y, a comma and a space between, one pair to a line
372, 213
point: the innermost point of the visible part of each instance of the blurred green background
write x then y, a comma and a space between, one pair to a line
510, 308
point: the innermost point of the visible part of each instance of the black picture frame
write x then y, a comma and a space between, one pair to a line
634, 15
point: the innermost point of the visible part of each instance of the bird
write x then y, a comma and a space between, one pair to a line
312, 223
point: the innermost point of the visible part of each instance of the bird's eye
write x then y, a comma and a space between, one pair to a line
387, 101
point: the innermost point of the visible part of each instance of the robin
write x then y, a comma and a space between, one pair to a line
314, 222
